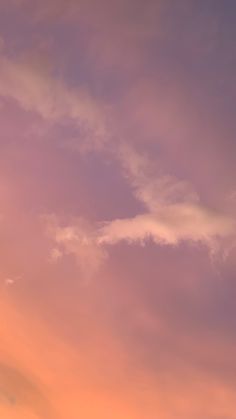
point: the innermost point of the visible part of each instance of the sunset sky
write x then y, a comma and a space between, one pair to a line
117, 209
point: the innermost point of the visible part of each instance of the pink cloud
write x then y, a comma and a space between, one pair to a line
125, 134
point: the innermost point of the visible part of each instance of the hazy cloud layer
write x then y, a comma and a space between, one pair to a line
117, 209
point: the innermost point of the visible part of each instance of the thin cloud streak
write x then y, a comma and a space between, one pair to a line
37, 91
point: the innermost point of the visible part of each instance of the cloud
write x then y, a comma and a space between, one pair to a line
114, 41
173, 214
149, 185
77, 240
36, 90
172, 210
10, 280
170, 225
56, 254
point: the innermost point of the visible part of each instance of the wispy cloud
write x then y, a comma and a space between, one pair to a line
117, 123
170, 225
77, 240
36, 90
174, 214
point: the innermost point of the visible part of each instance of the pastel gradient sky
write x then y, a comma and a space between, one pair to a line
117, 209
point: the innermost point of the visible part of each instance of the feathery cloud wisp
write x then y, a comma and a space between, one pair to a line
36, 91
174, 214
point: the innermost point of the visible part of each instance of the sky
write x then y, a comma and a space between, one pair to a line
117, 209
